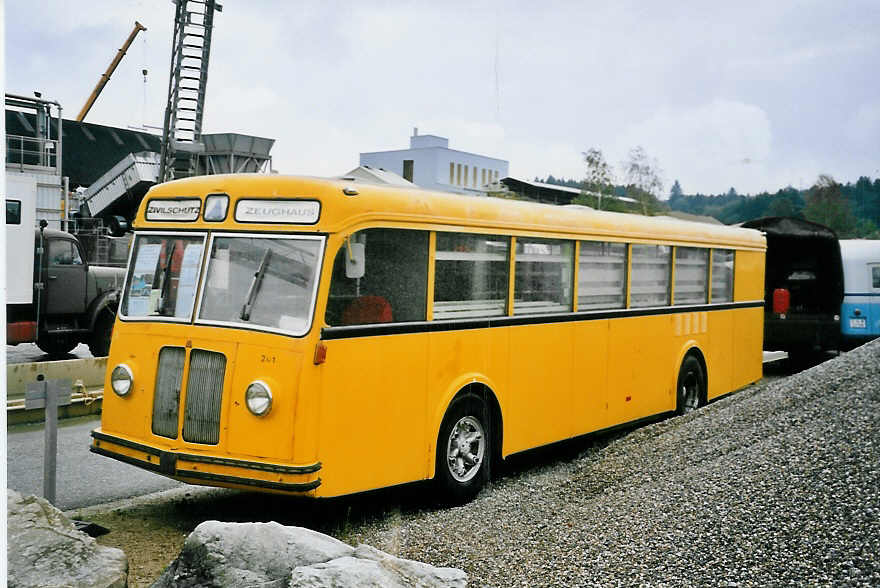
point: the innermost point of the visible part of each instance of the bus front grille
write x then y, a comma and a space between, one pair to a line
204, 392
166, 399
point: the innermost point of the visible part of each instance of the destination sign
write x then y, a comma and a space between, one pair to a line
298, 212
173, 210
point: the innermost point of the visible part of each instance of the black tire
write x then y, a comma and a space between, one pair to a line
691, 389
56, 345
464, 450
99, 343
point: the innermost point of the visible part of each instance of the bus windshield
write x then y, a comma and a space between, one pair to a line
162, 276
265, 282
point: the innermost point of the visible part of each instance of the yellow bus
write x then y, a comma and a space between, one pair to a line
323, 337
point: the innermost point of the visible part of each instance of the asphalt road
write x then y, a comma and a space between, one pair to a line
83, 478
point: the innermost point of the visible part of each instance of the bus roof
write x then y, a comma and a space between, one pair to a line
363, 203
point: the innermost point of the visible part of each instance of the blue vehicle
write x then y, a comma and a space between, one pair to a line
860, 311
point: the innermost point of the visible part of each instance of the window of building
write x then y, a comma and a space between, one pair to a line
601, 275
543, 276
483, 176
394, 286
691, 275
465, 177
13, 212
722, 275
408, 169
650, 275
458, 175
474, 184
451, 173
471, 275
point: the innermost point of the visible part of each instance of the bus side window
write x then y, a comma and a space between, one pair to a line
543, 276
602, 275
722, 275
471, 276
650, 275
691, 275
395, 282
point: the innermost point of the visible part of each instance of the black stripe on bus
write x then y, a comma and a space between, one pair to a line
224, 461
154, 467
330, 333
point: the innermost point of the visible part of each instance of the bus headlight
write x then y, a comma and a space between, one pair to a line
258, 398
121, 379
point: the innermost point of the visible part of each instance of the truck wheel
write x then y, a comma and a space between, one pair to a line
56, 344
463, 450
99, 343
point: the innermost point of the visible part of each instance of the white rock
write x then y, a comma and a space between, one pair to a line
247, 554
46, 550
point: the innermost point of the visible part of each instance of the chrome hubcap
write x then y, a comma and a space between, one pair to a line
465, 449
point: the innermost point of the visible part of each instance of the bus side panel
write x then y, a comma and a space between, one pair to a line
540, 399
719, 355
639, 353
373, 426
748, 355
748, 279
590, 393
456, 359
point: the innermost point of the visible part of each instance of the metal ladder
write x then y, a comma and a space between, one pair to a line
190, 52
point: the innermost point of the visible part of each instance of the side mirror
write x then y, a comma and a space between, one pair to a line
355, 260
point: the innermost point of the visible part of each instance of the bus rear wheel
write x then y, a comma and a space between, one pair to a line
463, 450
691, 386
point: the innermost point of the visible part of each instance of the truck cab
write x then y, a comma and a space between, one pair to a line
72, 301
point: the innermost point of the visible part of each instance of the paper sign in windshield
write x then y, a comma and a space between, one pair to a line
173, 210
298, 212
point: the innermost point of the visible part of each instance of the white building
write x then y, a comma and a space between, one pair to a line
430, 163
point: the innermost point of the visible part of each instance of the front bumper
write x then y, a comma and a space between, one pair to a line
209, 470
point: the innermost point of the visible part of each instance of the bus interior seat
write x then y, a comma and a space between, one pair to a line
366, 310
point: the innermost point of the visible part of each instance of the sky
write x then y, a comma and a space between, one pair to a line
751, 95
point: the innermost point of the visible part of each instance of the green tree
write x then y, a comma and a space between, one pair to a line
643, 180
826, 206
675, 192
599, 178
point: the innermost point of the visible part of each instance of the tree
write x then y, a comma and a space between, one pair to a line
826, 206
643, 179
599, 177
675, 192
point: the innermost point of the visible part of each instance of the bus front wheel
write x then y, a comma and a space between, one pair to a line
463, 450
691, 386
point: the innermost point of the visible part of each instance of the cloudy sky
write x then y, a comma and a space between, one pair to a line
751, 95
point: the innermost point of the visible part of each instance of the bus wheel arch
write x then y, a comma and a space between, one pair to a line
692, 382
468, 443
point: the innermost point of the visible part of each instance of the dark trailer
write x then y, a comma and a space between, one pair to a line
803, 285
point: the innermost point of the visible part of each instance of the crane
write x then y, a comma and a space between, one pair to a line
105, 77
190, 52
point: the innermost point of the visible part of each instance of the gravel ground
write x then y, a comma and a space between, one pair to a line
776, 485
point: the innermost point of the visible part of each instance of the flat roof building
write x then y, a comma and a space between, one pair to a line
430, 163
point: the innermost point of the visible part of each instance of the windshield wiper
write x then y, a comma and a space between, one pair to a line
255, 287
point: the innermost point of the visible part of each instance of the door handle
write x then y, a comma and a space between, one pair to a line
51, 277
